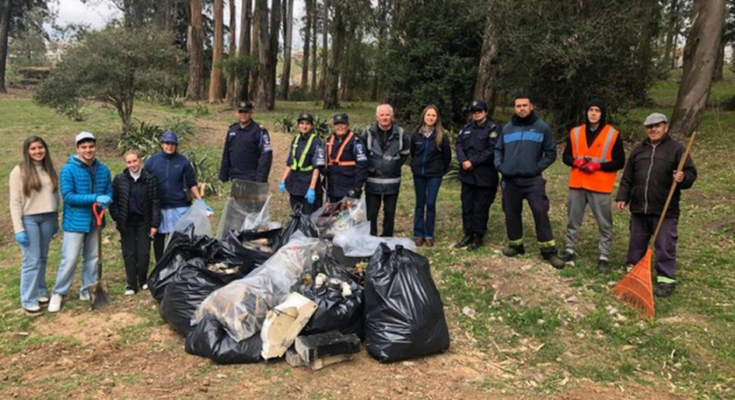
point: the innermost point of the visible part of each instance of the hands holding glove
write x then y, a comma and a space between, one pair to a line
22, 238
282, 186
579, 163
310, 196
591, 167
104, 200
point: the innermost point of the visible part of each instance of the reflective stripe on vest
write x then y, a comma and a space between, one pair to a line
600, 151
299, 166
384, 181
338, 160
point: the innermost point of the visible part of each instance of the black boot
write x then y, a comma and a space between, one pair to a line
514, 251
664, 289
553, 259
603, 266
466, 240
476, 243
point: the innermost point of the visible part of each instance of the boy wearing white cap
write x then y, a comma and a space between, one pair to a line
649, 173
84, 180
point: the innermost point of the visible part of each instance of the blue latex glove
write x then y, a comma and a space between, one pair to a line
310, 196
22, 238
104, 200
206, 207
282, 186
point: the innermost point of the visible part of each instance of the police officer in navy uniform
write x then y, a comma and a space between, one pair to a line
247, 154
346, 161
475, 152
305, 159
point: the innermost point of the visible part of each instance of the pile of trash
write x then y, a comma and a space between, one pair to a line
260, 291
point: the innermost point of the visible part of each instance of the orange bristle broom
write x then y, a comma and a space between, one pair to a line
636, 287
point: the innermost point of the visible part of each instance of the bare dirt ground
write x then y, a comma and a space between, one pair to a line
126, 352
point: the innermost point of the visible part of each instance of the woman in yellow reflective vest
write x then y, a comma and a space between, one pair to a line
305, 160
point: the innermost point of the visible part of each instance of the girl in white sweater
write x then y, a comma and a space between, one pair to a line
34, 205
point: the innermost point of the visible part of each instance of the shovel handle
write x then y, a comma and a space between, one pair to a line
99, 213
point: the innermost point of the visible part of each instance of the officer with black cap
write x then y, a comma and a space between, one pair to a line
305, 160
346, 161
475, 152
247, 154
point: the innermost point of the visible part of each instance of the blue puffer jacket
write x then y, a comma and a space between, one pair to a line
526, 147
80, 185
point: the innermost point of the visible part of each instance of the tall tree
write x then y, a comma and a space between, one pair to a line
673, 17
255, 51
307, 47
287, 38
314, 31
215, 77
700, 52
195, 90
487, 73
5, 11
331, 99
246, 17
261, 81
275, 26
382, 39
233, 47
325, 42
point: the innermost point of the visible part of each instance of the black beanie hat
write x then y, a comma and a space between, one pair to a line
603, 107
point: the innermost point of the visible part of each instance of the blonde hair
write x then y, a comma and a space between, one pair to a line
131, 151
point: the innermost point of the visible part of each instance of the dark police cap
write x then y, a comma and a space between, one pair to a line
305, 117
478, 105
244, 106
340, 119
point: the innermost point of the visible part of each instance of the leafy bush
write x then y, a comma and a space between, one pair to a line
200, 110
145, 136
207, 172
161, 98
73, 111
285, 124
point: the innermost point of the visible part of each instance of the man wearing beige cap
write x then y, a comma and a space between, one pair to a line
649, 173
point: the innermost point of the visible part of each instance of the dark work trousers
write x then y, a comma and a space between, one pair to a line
642, 227
424, 215
389, 212
306, 208
136, 250
533, 190
159, 244
476, 202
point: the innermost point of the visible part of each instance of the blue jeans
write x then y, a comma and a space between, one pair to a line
39, 228
427, 190
74, 242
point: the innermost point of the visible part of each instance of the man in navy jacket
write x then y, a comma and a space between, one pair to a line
247, 154
525, 148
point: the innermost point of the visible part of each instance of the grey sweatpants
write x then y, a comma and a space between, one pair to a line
601, 205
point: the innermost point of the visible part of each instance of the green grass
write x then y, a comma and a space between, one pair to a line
688, 346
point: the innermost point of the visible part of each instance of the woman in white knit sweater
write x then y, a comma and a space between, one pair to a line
34, 206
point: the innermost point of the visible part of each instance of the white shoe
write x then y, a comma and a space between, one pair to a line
129, 292
55, 304
84, 297
43, 299
144, 287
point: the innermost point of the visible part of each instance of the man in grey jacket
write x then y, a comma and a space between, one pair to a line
388, 147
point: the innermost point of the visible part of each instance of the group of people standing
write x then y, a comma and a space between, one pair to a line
146, 200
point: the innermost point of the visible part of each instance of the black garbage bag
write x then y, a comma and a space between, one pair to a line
191, 284
300, 222
232, 252
404, 314
182, 247
209, 339
335, 311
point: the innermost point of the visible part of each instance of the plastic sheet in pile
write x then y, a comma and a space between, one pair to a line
242, 305
334, 217
357, 241
248, 200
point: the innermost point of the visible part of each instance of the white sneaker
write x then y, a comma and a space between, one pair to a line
43, 299
84, 297
144, 287
129, 292
55, 304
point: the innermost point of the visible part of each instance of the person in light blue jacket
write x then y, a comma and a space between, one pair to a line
84, 180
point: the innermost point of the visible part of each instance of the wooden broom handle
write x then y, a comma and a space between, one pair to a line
673, 187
